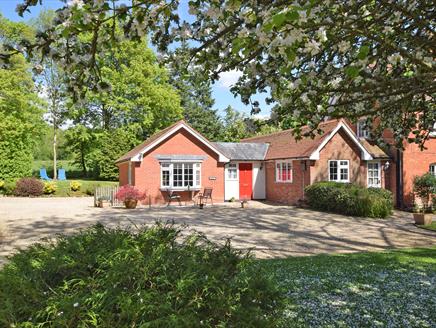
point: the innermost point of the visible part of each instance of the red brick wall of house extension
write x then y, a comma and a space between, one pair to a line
340, 147
146, 174
416, 162
287, 192
124, 173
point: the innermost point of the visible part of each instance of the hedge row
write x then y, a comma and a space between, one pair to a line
349, 199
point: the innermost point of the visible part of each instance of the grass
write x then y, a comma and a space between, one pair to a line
431, 226
86, 189
48, 164
393, 289
72, 170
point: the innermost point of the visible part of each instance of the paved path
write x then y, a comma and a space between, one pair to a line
270, 230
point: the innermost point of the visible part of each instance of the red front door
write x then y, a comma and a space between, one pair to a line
245, 180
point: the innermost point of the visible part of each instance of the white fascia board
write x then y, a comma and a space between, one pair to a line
365, 154
138, 157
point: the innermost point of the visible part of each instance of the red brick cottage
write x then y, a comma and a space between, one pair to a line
275, 167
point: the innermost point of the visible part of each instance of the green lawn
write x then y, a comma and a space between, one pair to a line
87, 187
393, 289
431, 226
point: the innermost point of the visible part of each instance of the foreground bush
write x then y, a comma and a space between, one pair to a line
349, 199
152, 278
26, 187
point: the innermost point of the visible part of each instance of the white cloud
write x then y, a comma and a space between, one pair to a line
227, 79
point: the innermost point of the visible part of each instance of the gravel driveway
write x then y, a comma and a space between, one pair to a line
270, 230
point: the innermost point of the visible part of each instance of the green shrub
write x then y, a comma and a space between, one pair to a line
424, 187
9, 187
156, 277
2, 183
349, 199
75, 185
50, 187
90, 189
26, 187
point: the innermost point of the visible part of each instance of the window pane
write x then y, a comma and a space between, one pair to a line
197, 175
177, 174
433, 169
344, 174
165, 178
188, 175
333, 171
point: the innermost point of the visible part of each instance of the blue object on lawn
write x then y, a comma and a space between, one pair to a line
61, 174
43, 174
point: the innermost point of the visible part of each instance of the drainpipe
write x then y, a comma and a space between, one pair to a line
399, 177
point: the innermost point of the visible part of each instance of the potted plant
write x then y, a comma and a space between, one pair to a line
103, 201
130, 196
424, 187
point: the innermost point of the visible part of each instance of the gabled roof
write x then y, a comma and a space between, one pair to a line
284, 145
135, 155
243, 151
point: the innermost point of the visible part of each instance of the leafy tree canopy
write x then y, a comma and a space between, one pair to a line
20, 119
196, 96
317, 59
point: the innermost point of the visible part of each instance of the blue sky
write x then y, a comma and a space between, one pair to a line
221, 93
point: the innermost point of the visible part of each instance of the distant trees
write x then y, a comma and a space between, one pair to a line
109, 122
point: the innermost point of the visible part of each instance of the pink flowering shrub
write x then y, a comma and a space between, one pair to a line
129, 193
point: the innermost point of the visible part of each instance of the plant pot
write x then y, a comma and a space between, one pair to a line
423, 218
130, 203
244, 204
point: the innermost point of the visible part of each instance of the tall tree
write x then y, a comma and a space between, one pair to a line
196, 95
20, 108
235, 127
138, 102
317, 58
52, 84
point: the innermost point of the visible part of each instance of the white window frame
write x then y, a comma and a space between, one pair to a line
279, 167
169, 166
362, 130
338, 172
378, 185
432, 169
232, 167
433, 132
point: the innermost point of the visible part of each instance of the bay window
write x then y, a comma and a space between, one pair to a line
283, 171
180, 175
339, 170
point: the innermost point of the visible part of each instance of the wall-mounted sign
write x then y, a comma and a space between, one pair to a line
212, 178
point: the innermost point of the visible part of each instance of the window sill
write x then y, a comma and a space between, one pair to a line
180, 189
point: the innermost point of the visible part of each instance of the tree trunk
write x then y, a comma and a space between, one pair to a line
55, 171
82, 160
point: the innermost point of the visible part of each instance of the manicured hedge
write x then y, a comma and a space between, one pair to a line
349, 199
153, 277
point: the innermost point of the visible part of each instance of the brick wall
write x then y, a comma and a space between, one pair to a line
146, 174
123, 175
416, 162
286, 192
340, 147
